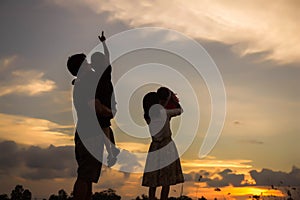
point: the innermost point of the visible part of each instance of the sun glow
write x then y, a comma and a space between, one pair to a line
231, 192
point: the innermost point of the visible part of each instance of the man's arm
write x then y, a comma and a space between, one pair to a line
100, 108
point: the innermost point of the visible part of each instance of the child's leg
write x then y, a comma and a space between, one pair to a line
107, 140
115, 151
111, 136
164, 192
110, 148
152, 191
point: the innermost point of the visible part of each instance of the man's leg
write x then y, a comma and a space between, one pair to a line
81, 189
89, 193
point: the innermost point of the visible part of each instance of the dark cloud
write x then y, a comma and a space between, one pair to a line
10, 155
37, 163
278, 178
188, 177
48, 173
265, 177
227, 178
57, 158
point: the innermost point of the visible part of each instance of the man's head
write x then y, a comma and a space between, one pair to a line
74, 63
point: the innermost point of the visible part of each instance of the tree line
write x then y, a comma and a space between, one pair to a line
19, 193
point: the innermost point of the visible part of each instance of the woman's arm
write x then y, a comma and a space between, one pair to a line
174, 112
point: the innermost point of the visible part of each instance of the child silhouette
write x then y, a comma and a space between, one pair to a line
163, 164
101, 63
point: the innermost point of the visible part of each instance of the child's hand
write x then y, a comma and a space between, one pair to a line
102, 37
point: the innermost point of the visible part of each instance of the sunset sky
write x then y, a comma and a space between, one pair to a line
254, 44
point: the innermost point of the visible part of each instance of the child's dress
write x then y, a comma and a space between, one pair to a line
163, 164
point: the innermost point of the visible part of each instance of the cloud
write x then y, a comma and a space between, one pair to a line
112, 178
277, 178
6, 62
250, 27
34, 131
26, 82
49, 163
133, 146
252, 141
36, 163
217, 179
33, 165
129, 162
227, 178
10, 159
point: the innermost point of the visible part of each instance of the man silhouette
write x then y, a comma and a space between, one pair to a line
89, 108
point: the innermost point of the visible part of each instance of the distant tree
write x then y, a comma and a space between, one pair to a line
202, 198
26, 195
108, 194
143, 197
183, 197
4, 197
256, 197
71, 196
20, 194
138, 198
17, 193
62, 195
53, 197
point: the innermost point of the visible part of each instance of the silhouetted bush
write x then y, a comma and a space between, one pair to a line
4, 197
108, 194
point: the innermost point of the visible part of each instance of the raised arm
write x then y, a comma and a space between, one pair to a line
106, 52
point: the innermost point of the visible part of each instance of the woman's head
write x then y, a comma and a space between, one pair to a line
149, 100
163, 95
